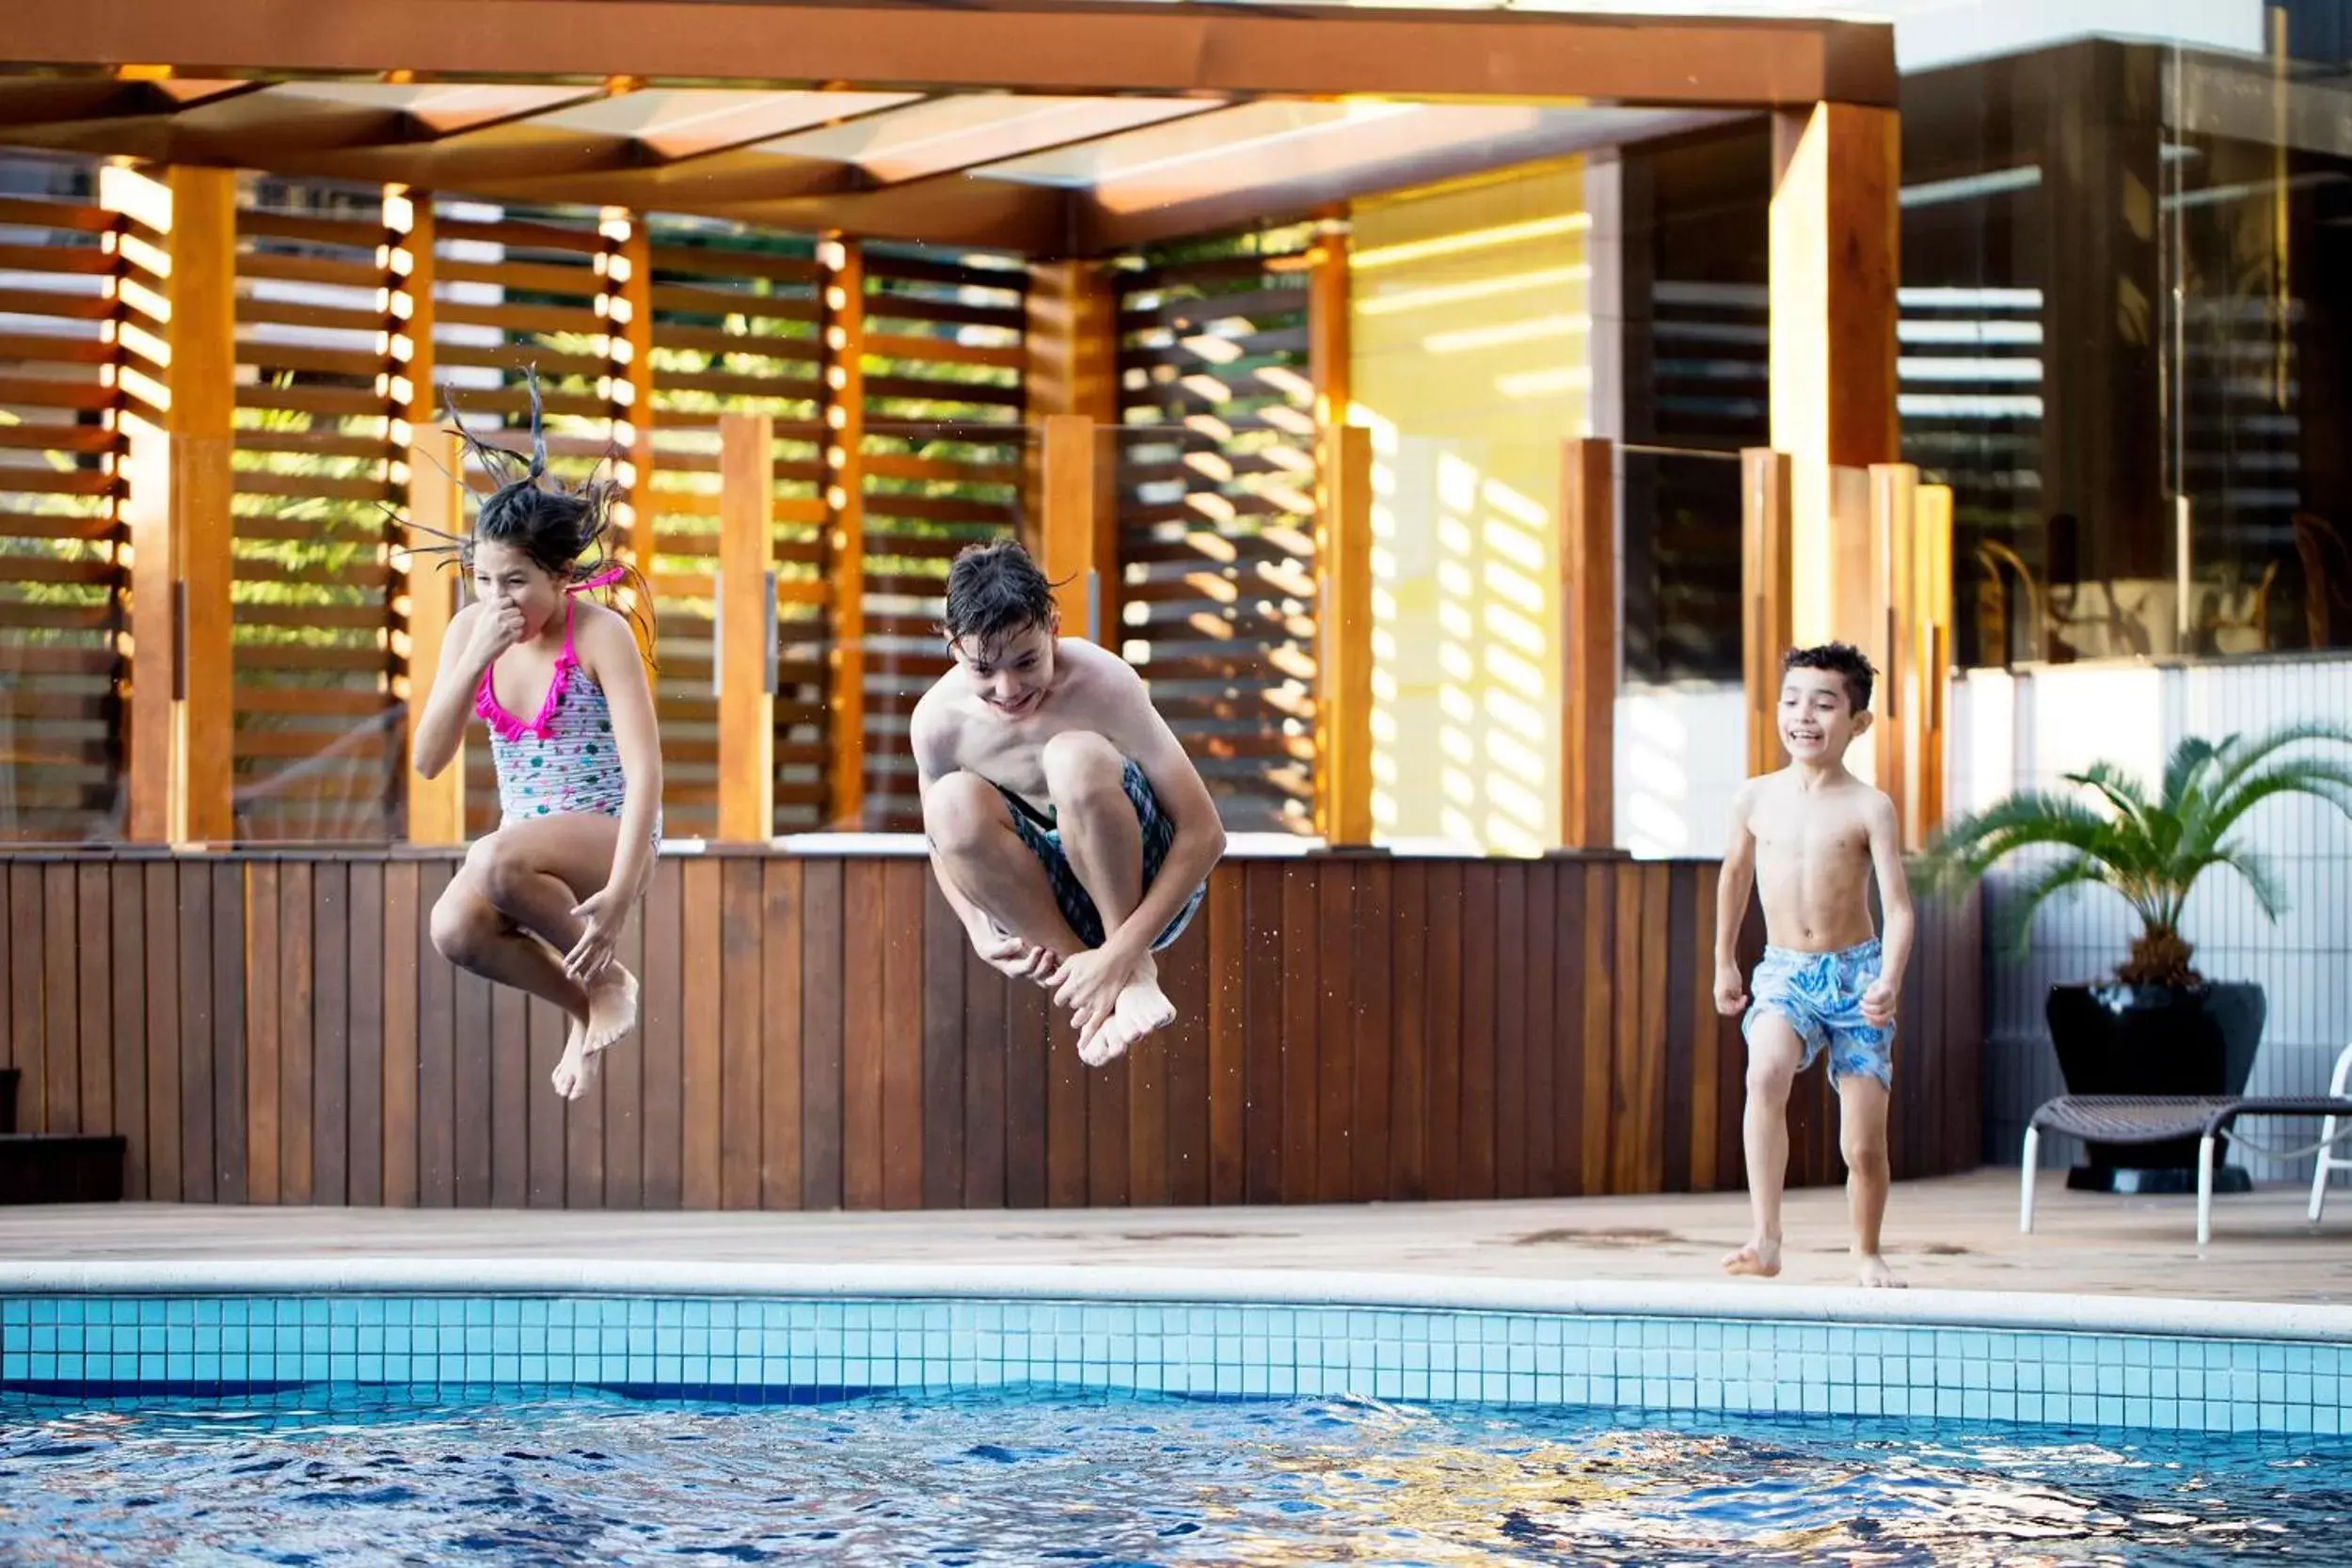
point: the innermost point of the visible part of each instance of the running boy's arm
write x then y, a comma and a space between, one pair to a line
1731, 904
1198, 843
1887, 857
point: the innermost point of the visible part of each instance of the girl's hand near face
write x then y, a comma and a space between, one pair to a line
498, 628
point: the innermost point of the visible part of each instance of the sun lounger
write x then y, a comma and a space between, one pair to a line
2153, 1119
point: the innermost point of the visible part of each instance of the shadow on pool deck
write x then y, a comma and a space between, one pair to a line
1955, 1232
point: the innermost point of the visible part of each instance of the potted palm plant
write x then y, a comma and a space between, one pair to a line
2157, 1027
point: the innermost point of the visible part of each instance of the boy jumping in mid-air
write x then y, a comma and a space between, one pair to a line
1809, 837
1068, 828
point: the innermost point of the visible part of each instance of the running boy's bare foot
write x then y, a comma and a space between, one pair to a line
575, 1071
611, 1007
1759, 1257
1141, 1007
1877, 1276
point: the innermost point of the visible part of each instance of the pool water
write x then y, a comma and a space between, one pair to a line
348, 1475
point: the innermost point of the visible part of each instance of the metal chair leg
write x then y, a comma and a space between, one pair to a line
2324, 1164
2204, 1189
2025, 1181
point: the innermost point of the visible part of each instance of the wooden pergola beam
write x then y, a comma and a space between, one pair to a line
1107, 223
1068, 46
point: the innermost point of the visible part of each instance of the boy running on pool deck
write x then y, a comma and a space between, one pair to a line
1068, 828
1808, 837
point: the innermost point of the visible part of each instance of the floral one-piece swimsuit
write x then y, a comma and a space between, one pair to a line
563, 760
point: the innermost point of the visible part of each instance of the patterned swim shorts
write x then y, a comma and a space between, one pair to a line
1077, 905
1820, 995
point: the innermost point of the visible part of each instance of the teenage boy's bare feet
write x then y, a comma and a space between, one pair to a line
1759, 1258
1141, 1007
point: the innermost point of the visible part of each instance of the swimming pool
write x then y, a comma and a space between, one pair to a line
339, 1475
1724, 1417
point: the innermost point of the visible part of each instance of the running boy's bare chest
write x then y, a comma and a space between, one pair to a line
1794, 831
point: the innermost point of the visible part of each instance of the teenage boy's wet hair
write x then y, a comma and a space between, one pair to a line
995, 590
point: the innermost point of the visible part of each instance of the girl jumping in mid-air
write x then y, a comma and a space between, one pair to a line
562, 683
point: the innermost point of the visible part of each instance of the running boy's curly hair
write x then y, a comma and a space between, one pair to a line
1838, 659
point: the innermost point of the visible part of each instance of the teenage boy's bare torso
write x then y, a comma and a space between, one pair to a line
1813, 859
1093, 689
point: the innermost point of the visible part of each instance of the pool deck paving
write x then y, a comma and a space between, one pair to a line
1954, 1233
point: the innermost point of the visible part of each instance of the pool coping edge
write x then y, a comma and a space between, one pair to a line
2019, 1311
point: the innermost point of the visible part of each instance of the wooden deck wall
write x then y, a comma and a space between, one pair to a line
276, 1029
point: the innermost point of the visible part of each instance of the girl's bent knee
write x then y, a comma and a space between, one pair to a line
463, 926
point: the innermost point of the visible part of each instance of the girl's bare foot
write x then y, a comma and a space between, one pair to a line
1759, 1257
611, 1007
1141, 1007
575, 1071
1876, 1275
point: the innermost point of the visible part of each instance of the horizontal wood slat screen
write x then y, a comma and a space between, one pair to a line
64, 578
318, 737
278, 1029
944, 442
735, 330
1218, 520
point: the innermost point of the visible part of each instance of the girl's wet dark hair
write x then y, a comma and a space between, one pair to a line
563, 529
995, 590
556, 526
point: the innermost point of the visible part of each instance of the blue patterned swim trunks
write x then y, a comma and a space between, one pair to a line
1039, 832
1820, 995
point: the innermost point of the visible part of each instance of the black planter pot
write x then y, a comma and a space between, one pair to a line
2156, 1040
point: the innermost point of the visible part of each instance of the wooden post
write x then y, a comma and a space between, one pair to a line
745, 658
844, 505
1833, 271
1343, 718
1591, 638
1343, 633
1079, 536
1932, 657
1894, 495
1764, 592
1071, 339
177, 419
436, 506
